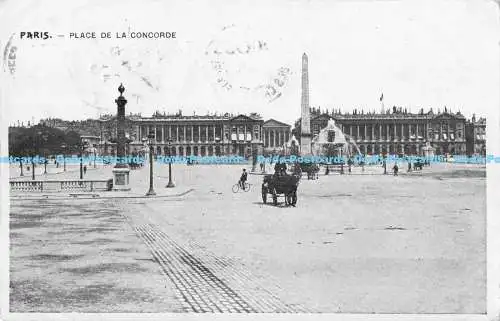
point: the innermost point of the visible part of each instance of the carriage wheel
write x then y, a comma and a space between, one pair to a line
264, 195
294, 198
275, 197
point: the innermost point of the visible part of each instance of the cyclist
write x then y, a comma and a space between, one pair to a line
243, 179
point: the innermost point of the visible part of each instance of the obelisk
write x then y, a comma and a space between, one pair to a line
305, 123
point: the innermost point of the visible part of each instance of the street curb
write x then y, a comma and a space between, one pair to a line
45, 197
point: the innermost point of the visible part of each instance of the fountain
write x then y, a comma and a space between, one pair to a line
331, 141
291, 147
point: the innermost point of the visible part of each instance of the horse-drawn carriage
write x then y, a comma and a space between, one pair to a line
310, 169
280, 184
418, 164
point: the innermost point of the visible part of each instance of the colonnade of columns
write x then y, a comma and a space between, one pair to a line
378, 132
181, 133
276, 137
200, 139
375, 149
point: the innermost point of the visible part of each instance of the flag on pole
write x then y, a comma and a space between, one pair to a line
382, 111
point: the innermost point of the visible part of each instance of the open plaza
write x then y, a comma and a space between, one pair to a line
362, 242
391, 235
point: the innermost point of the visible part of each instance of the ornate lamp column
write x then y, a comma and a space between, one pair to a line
170, 182
151, 139
121, 171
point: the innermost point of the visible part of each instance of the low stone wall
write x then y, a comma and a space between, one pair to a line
60, 185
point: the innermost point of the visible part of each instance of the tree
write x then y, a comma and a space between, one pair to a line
41, 139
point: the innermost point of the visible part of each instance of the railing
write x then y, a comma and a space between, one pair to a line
335, 168
60, 185
26, 186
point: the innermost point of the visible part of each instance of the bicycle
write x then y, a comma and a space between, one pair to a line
237, 187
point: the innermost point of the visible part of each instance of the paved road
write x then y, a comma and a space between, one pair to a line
355, 243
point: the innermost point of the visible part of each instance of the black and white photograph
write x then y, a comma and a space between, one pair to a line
288, 158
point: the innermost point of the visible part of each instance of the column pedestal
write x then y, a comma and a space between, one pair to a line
121, 179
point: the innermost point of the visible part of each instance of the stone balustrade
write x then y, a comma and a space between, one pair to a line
59, 185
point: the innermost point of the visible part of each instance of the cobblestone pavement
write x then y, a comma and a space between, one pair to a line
205, 282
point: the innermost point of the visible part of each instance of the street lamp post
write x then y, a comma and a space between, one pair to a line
82, 147
43, 137
64, 146
81, 160
36, 149
21, 165
94, 150
33, 158
254, 157
170, 182
151, 191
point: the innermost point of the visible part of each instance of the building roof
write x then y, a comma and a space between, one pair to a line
252, 116
480, 122
182, 118
274, 123
388, 116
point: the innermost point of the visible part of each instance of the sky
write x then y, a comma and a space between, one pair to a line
245, 56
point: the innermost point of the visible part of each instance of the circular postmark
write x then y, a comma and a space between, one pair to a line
9, 56
242, 61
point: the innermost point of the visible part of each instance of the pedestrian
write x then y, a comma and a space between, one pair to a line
262, 167
395, 169
85, 169
409, 166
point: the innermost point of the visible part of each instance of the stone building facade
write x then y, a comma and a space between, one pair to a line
276, 135
178, 135
399, 131
476, 136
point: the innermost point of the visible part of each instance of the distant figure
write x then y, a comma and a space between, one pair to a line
57, 164
28, 168
409, 166
384, 165
395, 169
349, 163
85, 169
262, 167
